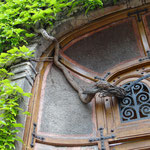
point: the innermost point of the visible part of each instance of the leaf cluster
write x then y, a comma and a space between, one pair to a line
10, 94
18, 17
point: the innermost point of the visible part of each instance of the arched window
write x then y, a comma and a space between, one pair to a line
115, 48
136, 104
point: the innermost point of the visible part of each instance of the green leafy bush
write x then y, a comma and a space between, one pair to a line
18, 17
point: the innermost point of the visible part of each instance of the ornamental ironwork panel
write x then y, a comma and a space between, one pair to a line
136, 104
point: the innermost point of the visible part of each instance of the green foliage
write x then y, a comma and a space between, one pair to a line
18, 17
10, 94
87, 4
14, 54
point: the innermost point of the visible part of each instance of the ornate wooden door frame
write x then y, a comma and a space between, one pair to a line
128, 134
119, 75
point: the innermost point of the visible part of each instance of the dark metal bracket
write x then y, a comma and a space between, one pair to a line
34, 136
148, 56
103, 79
102, 138
137, 12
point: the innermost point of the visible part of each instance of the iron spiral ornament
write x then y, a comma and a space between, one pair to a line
136, 104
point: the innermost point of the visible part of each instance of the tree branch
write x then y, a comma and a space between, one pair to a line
85, 95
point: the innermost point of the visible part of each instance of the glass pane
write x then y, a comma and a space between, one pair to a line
107, 47
136, 104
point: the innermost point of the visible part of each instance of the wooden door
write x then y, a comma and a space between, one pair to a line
115, 48
128, 119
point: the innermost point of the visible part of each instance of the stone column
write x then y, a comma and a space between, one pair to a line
24, 76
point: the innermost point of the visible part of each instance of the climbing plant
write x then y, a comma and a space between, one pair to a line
10, 94
18, 19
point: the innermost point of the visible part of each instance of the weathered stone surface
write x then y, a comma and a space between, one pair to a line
48, 147
62, 28
23, 83
134, 3
42, 46
24, 70
92, 15
39, 46
37, 52
79, 21
24, 77
147, 1
32, 46
62, 111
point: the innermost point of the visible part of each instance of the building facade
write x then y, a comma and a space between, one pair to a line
112, 44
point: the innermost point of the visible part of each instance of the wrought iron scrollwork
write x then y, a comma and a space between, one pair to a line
136, 104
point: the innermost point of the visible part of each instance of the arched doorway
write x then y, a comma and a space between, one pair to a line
114, 48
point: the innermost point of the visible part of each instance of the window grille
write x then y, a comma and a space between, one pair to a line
136, 104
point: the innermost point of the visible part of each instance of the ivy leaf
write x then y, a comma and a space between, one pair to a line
3, 55
19, 30
17, 21
2, 122
53, 2
15, 131
13, 51
29, 35
24, 49
48, 11
18, 125
27, 113
20, 90
27, 94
